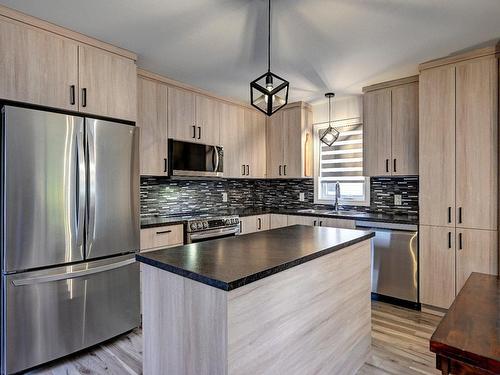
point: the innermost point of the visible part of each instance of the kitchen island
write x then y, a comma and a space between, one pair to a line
293, 300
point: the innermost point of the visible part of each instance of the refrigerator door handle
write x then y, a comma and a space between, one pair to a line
82, 185
92, 184
71, 275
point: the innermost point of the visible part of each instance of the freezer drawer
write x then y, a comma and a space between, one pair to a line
113, 195
44, 191
52, 313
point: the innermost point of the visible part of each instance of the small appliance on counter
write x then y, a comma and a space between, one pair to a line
394, 262
186, 159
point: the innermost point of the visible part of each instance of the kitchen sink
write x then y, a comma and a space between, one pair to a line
313, 211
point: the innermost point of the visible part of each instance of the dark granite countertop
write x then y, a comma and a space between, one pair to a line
343, 214
230, 263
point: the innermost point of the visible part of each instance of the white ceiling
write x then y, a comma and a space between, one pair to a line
318, 45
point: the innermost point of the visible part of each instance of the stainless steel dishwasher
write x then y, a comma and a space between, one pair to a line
394, 261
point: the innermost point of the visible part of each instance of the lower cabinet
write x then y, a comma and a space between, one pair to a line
302, 220
161, 237
321, 222
278, 221
447, 258
256, 223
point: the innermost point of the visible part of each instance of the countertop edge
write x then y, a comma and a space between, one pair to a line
228, 286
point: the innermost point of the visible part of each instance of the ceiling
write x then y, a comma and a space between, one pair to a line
318, 45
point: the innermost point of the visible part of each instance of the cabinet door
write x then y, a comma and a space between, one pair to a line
275, 145
377, 133
232, 139
262, 222
437, 265
255, 150
293, 139
302, 220
278, 221
152, 120
437, 146
404, 131
337, 223
181, 115
208, 119
248, 224
108, 83
37, 67
477, 144
477, 252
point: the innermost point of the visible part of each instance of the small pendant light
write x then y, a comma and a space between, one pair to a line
269, 92
330, 135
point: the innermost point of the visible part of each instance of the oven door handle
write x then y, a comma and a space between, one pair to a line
213, 233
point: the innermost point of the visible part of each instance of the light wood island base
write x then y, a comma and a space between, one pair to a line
313, 318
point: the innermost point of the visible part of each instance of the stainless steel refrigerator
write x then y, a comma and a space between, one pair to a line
69, 231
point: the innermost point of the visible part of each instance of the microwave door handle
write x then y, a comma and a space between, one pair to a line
217, 161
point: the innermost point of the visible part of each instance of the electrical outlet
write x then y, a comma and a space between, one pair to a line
302, 197
398, 199
224, 197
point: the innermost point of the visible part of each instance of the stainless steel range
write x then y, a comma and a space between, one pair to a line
211, 228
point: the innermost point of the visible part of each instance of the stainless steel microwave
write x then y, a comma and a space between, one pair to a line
194, 159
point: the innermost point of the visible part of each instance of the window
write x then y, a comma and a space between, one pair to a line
343, 163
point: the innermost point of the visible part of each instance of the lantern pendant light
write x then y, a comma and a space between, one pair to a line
269, 92
330, 135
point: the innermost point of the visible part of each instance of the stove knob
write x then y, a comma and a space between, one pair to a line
205, 224
199, 226
193, 226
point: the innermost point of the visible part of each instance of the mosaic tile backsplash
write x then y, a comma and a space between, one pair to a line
164, 197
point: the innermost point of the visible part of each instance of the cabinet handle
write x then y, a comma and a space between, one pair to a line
165, 166
394, 165
459, 215
72, 95
242, 169
387, 165
248, 170
84, 97
194, 131
321, 223
199, 132
449, 240
164, 232
284, 170
460, 244
260, 223
314, 223
449, 215
280, 170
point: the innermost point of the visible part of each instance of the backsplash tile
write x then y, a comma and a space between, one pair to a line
163, 196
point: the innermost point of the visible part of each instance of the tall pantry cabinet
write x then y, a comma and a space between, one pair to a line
458, 167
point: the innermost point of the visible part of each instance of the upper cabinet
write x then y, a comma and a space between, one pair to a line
289, 142
37, 67
44, 68
459, 144
107, 84
390, 111
193, 117
152, 119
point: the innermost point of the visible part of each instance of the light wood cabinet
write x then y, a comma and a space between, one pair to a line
277, 221
161, 237
107, 83
477, 144
182, 115
337, 223
390, 130
289, 140
252, 224
193, 117
152, 120
37, 67
476, 252
437, 147
255, 145
232, 139
437, 265
302, 220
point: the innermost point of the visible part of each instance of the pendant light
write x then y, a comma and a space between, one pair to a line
269, 92
330, 135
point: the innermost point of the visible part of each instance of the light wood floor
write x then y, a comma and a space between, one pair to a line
400, 346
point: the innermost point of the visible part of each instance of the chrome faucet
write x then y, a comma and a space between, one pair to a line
337, 195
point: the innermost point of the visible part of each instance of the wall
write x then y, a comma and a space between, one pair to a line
162, 196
